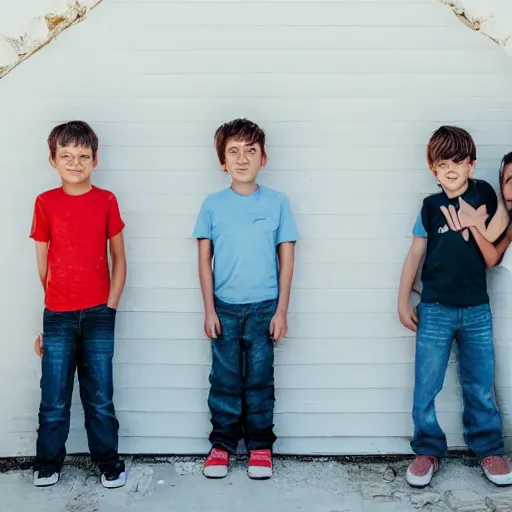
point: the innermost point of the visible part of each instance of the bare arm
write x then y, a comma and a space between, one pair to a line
492, 253
279, 323
487, 249
211, 323
498, 223
42, 261
409, 272
286, 264
118, 279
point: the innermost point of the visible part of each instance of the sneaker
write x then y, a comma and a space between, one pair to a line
421, 470
45, 477
260, 464
216, 465
114, 477
497, 470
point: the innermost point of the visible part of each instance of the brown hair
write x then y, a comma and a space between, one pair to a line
450, 143
74, 133
242, 130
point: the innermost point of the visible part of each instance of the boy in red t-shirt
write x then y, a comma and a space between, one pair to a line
72, 228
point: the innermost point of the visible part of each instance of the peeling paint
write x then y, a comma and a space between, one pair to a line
491, 17
31, 24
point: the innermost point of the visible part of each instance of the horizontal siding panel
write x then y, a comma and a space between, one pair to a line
262, 110
198, 425
25, 445
353, 376
259, 85
287, 401
306, 325
310, 227
318, 251
303, 301
273, 14
181, 38
290, 61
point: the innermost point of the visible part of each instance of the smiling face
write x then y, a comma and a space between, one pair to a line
453, 176
74, 164
243, 160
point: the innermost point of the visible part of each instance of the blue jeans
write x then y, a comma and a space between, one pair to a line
472, 328
241, 398
84, 340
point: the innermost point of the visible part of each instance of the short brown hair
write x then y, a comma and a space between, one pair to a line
242, 130
450, 143
73, 133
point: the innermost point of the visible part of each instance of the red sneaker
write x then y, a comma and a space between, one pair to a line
421, 471
216, 465
497, 470
260, 464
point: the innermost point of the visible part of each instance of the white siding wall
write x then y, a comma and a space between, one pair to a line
348, 92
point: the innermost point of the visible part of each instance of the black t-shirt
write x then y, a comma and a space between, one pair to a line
454, 271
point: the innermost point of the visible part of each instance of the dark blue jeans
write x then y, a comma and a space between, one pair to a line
472, 328
241, 399
82, 340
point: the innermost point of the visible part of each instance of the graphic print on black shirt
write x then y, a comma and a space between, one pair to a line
454, 272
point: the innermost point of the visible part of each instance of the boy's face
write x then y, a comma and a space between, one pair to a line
74, 164
453, 176
243, 161
507, 184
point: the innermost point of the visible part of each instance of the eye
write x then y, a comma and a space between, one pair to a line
252, 150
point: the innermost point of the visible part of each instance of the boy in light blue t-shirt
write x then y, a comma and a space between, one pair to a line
250, 233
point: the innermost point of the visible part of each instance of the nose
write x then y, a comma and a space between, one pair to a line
75, 162
242, 157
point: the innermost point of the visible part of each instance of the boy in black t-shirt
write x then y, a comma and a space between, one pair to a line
454, 304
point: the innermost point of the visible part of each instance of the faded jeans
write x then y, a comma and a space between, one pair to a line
472, 328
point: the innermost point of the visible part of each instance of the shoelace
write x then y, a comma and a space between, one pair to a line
260, 455
219, 454
46, 472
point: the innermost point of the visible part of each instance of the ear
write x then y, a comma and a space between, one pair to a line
472, 167
264, 161
95, 161
224, 168
434, 172
52, 161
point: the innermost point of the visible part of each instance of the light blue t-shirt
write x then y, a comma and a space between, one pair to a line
245, 232
419, 229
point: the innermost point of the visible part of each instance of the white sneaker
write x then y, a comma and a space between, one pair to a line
115, 478
421, 470
497, 470
45, 477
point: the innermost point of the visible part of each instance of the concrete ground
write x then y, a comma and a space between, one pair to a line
305, 485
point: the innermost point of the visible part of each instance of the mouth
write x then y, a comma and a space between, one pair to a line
74, 172
452, 178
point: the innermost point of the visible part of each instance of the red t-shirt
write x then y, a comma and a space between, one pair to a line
77, 229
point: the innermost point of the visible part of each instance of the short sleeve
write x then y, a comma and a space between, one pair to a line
203, 227
490, 199
287, 230
419, 226
40, 231
115, 222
